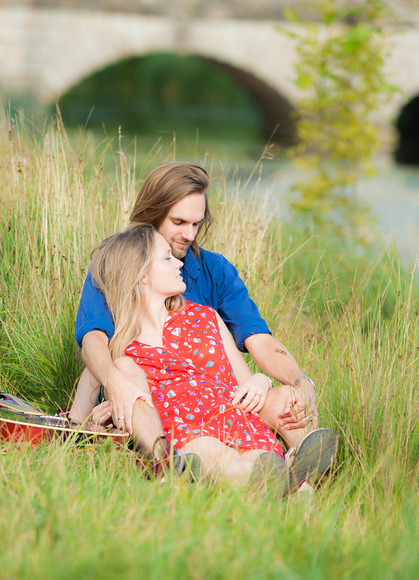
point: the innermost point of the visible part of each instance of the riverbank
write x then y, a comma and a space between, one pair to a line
392, 195
350, 321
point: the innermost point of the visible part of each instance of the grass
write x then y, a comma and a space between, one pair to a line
348, 314
87, 513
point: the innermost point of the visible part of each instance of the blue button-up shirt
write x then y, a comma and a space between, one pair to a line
210, 280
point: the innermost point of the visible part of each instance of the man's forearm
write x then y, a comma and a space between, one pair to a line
277, 362
97, 358
273, 358
124, 381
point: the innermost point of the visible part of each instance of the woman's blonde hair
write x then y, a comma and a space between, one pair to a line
118, 266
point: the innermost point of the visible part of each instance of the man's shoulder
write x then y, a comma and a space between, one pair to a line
213, 258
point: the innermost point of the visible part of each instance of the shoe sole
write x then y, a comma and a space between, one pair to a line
315, 455
268, 469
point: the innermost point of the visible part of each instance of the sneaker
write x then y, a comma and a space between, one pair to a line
312, 458
302, 468
268, 470
187, 466
305, 490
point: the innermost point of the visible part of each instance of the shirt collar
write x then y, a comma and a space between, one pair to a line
191, 265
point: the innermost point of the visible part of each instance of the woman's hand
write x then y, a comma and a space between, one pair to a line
251, 395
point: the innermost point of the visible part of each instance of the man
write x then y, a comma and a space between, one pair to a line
173, 199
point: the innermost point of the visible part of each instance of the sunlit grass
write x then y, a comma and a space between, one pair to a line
349, 315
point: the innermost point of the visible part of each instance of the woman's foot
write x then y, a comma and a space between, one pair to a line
312, 458
166, 459
306, 463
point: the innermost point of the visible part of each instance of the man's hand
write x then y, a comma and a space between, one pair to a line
100, 416
126, 383
251, 395
307, 393
300, 409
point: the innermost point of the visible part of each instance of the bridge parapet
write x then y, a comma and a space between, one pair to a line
404, 12
44, 51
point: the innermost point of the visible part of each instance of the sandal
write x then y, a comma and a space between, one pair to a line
165, 458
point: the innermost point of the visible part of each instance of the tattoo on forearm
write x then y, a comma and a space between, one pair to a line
281, 351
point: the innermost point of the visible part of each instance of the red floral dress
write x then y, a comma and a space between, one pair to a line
190, 378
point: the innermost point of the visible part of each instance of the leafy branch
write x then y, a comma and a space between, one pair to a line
341, 71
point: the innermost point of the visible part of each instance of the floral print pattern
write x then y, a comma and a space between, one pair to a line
191, 378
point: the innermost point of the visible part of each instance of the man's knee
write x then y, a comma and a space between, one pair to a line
280, 396
88, 380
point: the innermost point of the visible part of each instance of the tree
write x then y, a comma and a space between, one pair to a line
341, 70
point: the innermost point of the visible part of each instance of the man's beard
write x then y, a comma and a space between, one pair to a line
180, 251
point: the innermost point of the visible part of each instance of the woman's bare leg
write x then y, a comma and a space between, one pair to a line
219, 460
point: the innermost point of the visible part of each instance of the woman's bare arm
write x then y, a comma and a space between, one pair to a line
252, 388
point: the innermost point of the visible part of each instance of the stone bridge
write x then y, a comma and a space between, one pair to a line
47, 47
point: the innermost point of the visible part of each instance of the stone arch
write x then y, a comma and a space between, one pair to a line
277, 113
407, 125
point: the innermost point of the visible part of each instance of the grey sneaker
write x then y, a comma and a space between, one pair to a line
269, 473
187, 466
315, 454
302, 468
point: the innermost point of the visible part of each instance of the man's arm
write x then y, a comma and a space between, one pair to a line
276, 361
121, 392
273, 358
93, 312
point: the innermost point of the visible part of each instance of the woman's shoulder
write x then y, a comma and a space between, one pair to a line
193, 311
195, 307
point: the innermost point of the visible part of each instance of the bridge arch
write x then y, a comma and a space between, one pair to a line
276, 113
407, 125
46, 50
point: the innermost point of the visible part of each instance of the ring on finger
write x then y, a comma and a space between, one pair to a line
120, 418
257, 395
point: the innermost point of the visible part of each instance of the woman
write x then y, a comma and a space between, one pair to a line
192, 364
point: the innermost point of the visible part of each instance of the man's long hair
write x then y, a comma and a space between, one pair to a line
119, 265
164, 187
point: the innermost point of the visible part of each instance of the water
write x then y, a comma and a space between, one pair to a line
393, 193
393, 196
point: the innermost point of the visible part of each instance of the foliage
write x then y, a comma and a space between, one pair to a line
341, 71
70, 511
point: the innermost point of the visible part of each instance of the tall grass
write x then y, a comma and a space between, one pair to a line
349, 315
